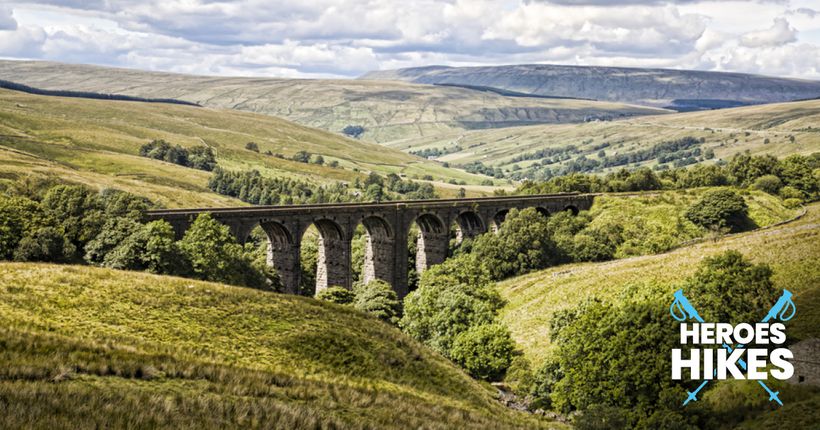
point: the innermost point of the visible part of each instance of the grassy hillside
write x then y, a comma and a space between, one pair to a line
97, 142
387, 110
791, 250
85, 347
760, 129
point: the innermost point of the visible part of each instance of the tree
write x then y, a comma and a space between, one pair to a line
722, 208
451, 298
113, 233
374, 193
768, 183
523, 243
202, 158
462, 193
77, 211
318, 159
378, 298
18, 217
252, 146
728, 288
45, 244
302, 157
116, 203
215, 255
336, 294
484, 351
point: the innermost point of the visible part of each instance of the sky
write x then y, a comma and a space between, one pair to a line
346, 38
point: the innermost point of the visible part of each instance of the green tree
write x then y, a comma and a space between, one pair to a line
302, 157
45, 244
77, 210
484, 351
113, 233
378, 298
451, 298
523, 243
728, 288
252, 146
18, 217
768, 183
722, 208
215, 255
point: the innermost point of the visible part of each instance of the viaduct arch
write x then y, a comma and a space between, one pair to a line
386, 224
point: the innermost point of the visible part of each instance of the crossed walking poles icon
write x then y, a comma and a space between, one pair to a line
783, 310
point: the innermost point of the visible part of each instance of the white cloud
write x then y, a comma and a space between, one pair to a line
780, 33
344, 38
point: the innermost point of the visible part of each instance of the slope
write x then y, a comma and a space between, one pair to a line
97, 142
790, 249
85, 347
760, 129
387, 110
678, 89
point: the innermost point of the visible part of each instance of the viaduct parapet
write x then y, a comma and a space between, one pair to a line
387, 225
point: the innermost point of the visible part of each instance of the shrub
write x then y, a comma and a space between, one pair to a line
378, 298
252, 146
722, 208
792, 203
789, 192
302, 157
484, 351
768, 184
336, 294
353, 130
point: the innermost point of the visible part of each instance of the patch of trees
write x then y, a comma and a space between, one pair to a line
562, 153
436, 152
87, 94
479, 168
197, 157
794, 177
353, 131
75, 224
250, 186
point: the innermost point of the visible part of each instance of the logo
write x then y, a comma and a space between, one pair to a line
707, 363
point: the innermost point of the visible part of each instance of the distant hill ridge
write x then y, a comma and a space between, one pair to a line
86, 94
650, 87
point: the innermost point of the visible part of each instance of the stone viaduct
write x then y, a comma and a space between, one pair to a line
387, 225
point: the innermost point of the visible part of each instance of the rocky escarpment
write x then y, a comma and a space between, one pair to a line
651, 87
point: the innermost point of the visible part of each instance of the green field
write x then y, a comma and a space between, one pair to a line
85, 347
791, 250
726, 131
97, 142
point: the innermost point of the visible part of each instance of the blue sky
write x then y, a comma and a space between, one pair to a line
345, 38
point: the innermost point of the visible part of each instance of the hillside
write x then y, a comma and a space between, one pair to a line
760, 129
790, 249
679, 89
97, 142
84, 346
387, 110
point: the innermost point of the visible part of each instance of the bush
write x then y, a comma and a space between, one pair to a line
792, 203
728, 288
353, 130
336, 294
718, 209
484, 351
252, 146
378, 298
789, 192
44, 244
768, 184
